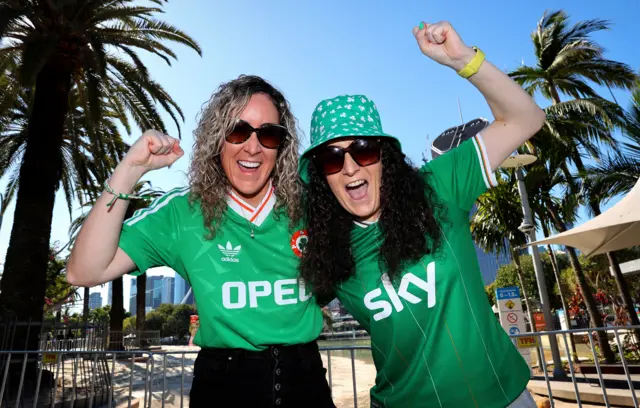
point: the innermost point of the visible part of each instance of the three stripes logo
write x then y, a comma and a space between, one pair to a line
230, 252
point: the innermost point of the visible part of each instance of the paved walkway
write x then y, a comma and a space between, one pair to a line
589, 393
172, 374
175, 379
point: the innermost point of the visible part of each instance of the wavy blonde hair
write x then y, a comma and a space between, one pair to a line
208, 181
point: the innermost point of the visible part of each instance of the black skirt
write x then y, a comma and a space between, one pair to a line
279, 377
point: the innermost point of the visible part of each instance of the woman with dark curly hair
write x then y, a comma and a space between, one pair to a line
229, 235
393, 242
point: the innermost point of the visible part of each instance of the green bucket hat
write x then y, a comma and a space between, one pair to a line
342, 116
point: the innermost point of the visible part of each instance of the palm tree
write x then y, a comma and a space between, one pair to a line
498, 215
568, 60
116, 315
556, 272
84, 164
86, 161
542, 181
616, 174
58, 44
494, 225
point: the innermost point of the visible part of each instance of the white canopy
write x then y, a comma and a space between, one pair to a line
616, 228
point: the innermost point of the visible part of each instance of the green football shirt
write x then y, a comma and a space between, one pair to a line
435, 340
246, 289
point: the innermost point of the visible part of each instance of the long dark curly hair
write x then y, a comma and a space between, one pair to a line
409, 214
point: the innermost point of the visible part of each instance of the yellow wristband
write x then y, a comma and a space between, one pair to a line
474, 65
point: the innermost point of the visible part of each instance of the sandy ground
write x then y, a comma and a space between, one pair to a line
176, 375
342, 381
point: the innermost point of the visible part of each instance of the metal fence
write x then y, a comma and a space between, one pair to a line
133, 340
55, 336
587, 378
63, 378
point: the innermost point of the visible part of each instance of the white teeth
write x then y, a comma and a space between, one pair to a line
356, 183
251, 165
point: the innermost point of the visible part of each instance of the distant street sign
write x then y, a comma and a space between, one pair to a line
528, 342
512, 320
510, 310
50, 358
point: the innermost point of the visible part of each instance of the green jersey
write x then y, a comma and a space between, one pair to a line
244, 280
435, 340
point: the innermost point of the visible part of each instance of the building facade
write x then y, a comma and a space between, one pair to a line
168, 288
95, 300
133, 296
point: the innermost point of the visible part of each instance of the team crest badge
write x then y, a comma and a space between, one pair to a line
299, 242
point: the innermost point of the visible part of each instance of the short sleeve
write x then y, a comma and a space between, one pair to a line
462, 174
151, 236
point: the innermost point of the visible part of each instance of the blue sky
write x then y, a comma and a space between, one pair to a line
315, 50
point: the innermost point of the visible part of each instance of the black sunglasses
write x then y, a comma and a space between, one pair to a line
364, 152
269, 135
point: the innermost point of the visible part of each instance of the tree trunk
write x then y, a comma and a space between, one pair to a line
85, 311
563, 299
624, 292
116, 316
24, 277
619, 278
553, 92
565, 307
141, 285
594, 315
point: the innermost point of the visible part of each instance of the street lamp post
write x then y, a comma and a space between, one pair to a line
517, 162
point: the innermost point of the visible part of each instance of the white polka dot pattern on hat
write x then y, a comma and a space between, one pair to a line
342, 116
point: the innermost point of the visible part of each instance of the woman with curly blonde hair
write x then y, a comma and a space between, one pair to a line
232, 235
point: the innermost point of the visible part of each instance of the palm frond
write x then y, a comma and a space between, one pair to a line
494, 225
165, 31
104, 15
568, 58
613, 176
96, 44
10, 191
9, 13
607, 113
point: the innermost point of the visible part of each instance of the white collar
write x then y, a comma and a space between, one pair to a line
255, 215
364, 224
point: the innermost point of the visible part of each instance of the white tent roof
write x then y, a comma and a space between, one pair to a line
616, 228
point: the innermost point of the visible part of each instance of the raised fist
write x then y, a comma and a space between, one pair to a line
441, 43
153, 150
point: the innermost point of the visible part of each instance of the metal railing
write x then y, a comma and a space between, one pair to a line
89, 343
54, 336
63, 378
587, 377
145, 339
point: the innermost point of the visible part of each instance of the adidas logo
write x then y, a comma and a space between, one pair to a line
230, 252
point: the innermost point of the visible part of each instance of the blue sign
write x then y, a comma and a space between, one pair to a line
514, 330
512, 292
